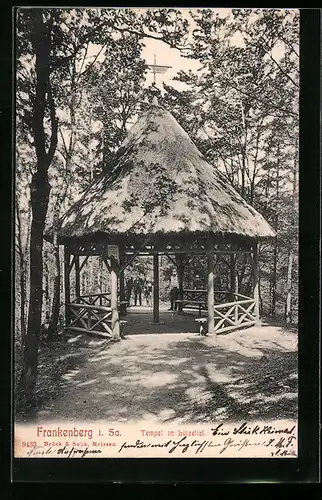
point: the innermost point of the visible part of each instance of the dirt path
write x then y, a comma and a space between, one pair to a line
181, 378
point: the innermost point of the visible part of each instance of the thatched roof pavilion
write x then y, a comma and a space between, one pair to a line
161, 195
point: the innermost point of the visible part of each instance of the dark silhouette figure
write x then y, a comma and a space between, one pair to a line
174, 292
148, 293
129, 288
137, 288
174, 295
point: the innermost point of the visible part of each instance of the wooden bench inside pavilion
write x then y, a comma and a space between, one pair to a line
160, 197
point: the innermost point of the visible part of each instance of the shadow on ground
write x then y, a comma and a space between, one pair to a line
176, 378
140, 322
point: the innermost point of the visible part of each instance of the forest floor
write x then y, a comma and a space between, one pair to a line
175, 377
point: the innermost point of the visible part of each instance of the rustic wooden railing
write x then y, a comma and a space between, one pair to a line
195, 295
235, 314
239, 313
101, 299
90, 318
198, 299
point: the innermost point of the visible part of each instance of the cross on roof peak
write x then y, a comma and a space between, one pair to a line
157, 68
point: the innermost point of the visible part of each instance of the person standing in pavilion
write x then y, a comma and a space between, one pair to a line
148, 288
174, 291
129, 288
138, 288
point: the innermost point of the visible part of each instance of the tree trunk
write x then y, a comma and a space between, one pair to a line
288, 312
274, 278
22, 280
288, 309
40, 189
39, 203
46, 288
275, 252
243, 146
53, 322
243, 173
22, 300
261, 304
270, 291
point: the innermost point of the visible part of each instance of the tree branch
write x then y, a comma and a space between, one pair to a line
84, 58
61, 154
64, 144
281, 69
268, 52
143, 34
86, 70
290, 46
230, 175
65, 60
252, 96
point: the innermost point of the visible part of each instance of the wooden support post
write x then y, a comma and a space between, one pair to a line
156, 315
100, 276
180, 267
66, 284
122, 286
234, 284
232, 276
211, 297
114, 305
236, 292
180, 281
77, 276
255, 284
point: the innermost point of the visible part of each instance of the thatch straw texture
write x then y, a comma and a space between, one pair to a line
161, 183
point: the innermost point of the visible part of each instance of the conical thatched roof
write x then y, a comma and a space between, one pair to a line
161, 183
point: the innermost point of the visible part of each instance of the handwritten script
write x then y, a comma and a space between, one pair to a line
65, 452
281, 445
